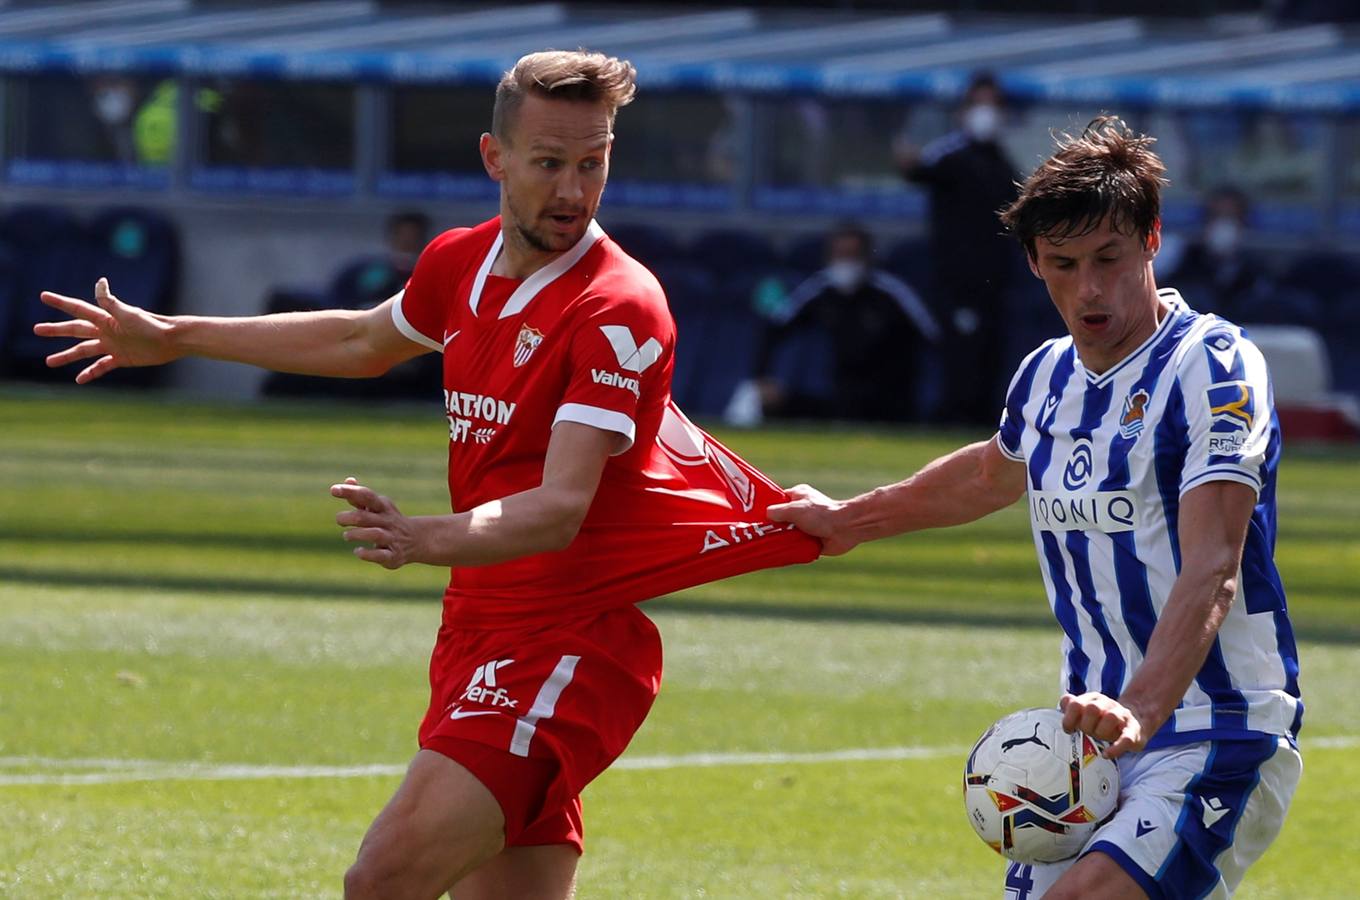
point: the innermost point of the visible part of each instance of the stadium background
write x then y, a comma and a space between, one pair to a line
177, 625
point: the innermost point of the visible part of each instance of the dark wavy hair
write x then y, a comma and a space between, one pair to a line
1108, 172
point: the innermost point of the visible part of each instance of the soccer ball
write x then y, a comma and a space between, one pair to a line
1035, 793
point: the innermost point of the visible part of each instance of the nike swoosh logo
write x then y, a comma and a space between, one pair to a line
469, 713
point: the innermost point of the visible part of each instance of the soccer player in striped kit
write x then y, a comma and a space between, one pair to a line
1147, 442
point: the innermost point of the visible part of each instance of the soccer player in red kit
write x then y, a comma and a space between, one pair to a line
578, 489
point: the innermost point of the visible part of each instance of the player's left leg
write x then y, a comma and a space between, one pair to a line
441, 824
543, 872
1191, 819
1096, 875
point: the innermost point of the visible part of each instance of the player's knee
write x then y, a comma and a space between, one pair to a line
372, 877
363, 882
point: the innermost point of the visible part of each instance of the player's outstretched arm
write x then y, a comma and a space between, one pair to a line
341, 343
539, 520
965, 485
1213, 527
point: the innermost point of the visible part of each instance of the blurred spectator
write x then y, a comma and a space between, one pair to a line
114, 100
969, 179
846, 343
368, 281
363, 283
1216, 273
407, 234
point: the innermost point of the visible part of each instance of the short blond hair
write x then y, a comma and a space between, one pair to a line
563, 75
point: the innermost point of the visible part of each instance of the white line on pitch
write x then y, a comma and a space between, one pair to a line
129, 770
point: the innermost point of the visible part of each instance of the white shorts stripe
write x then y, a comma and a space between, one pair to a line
544, 704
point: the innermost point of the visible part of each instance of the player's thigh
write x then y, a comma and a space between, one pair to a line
440, 825
1096, 875
543, 872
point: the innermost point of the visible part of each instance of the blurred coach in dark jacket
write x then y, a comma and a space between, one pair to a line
969, 178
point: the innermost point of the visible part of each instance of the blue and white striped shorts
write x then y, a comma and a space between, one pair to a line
1191, 818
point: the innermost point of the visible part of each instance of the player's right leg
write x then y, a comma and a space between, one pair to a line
441, 824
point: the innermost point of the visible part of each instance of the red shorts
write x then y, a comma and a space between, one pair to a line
536, 714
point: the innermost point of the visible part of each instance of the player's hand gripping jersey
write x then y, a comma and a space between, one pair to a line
589, 339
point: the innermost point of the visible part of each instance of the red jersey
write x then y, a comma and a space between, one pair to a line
588, 338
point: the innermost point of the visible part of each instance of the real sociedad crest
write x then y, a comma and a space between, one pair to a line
526, 344
1131, 422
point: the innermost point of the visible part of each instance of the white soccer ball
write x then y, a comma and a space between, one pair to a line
1035, 793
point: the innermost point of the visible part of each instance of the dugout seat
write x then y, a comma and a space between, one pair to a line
9, 298
806, 253
53, 254
648, 245
137, 250
689, 289
1323, 275
364, 282
728, 252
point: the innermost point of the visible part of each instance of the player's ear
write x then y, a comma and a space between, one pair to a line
492, 153
1033, 265
1154, 240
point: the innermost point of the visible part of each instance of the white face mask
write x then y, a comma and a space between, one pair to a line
846, 274
982, 121
1222, 236
113, 105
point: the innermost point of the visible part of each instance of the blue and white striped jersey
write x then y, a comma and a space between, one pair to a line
1109, 457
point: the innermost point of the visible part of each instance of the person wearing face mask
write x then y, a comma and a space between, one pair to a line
968, 177
844, 344
114, 100
1215, 264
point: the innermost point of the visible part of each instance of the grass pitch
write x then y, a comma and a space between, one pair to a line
202, 694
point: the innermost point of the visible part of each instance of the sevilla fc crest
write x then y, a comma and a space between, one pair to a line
526, 344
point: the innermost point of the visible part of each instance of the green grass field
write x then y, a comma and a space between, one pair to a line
195, 673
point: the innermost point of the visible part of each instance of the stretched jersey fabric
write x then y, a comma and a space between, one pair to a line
1109, 458
589, 339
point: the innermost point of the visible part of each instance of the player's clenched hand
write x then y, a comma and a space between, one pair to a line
110, 330
813, 512
376, 520
1105, 719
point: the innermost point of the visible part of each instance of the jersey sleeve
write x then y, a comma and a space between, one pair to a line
1229, 410
1012, 424
620, 354
420, 313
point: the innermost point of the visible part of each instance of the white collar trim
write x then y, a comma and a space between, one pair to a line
536, 282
